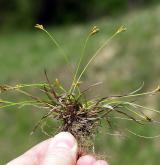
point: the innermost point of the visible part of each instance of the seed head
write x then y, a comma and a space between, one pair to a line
94, 30
57, 82
121, 29
39, 26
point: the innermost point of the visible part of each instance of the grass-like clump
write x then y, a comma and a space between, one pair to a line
76, 113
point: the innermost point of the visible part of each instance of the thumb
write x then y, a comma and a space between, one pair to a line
62, 150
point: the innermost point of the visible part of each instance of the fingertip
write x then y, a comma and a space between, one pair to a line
64, 135
62, 150
100, 162
64, 140
86, 160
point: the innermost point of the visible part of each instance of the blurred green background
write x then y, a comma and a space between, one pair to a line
130, 59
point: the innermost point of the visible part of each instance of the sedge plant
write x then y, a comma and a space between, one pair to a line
78, 115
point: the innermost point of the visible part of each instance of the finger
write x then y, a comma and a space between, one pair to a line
86, 160
100, 162
62, 150
32, 156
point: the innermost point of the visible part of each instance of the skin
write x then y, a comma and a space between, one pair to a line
62, 149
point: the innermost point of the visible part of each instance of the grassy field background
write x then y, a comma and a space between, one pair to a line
130, 59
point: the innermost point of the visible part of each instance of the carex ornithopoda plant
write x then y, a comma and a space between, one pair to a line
78, 115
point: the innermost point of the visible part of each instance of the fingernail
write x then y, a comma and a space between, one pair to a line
86, 159
100, 162
64, 140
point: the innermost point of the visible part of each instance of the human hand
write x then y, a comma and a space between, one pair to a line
62, 149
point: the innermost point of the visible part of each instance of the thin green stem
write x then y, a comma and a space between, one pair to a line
79, 63
9, 104
94, 56
28, 85
58, 45
142, 136
141, 116
139, 94
143, 107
